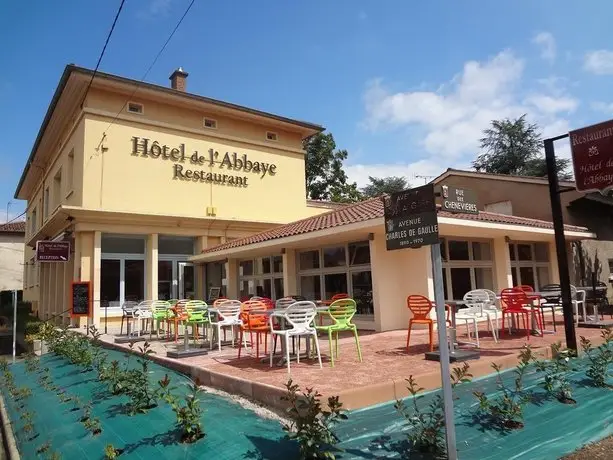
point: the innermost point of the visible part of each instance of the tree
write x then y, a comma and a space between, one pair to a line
380, 185
325, 177
514, 147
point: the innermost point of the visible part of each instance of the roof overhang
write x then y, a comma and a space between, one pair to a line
361, 230
563, 185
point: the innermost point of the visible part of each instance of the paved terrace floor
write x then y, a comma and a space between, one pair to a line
379, 378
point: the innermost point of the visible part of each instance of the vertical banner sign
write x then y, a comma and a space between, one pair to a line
592, 154
411, 222
410, 218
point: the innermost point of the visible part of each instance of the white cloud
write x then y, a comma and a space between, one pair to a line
547, 43
604, 107
599, 62
552, 105
359, 173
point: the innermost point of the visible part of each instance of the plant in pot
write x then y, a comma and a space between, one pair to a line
506, 409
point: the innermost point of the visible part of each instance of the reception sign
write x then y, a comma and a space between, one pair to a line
410, 218
52, 251
592, 154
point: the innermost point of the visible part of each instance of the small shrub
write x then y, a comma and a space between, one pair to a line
506, 410
87, 412
92, 424
600, 358
427, 424
188, 414
32, 363
310, 424
142, 396
43, 448
4, 365
23, 393
556, 384
110, 452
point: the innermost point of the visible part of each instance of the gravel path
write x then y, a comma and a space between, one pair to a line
602, 450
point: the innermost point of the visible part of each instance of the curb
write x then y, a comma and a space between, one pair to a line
10, 445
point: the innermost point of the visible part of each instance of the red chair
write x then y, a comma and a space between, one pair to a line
420, 307
515, 302
535, 298
254, 320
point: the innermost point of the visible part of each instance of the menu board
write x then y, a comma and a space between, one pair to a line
81, 297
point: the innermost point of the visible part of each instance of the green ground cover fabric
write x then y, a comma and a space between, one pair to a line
552, 429
232, 432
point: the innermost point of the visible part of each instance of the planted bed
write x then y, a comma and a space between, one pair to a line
57, 426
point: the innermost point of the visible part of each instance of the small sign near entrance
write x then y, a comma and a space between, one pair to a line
410, 218
81, 298
458, 200
52, 251
592, 154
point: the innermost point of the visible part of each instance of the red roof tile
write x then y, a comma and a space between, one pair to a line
13, 227
367, 210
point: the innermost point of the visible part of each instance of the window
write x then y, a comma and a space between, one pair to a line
261, 277
69, 173
611, 266
209, 123
467, 265
46, 204
135, 107
57, 189
338, 270
530, 264
33, 222
270, 136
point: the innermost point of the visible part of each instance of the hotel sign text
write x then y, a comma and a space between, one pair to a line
234, 167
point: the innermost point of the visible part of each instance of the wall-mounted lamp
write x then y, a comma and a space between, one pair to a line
371, 237
507, 239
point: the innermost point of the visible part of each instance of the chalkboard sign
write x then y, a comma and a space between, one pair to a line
81, 298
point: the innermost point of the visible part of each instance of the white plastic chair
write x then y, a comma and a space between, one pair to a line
486, 301
577, 297
284, 302
228, 315
299, 317
141, 314
127, 310
469, 315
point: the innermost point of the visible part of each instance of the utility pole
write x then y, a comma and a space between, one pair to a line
8, 205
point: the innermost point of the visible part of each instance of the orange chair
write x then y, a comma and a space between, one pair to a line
177, 316
253, 319
420, 307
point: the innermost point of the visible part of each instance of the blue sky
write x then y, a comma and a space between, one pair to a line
406, 87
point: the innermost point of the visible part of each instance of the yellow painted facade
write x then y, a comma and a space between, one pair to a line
100, 170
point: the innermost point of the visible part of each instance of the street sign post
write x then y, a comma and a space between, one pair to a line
411, 222
52, 251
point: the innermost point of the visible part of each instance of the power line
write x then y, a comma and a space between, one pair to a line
108, 37
149, 69
14, 219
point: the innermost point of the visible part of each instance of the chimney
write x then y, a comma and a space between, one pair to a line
178, 79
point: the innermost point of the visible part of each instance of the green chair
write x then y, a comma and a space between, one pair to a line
159, 314
340, 312
197, 312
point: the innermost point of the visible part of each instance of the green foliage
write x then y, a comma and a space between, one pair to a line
325, 177
32, 363
379, 186
137, 386
92, 424
4, 365
110, 452
43, 448
506, 410
310, 424
188, 412
600, 358
23, 393
556, 384
427, 424
514, 147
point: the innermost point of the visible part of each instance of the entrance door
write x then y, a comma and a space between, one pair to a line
187, 286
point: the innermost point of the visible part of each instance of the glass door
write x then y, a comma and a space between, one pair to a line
187, 286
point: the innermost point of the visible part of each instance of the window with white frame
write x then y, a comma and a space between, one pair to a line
334, 270
262, 277
530, 264
467, 265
